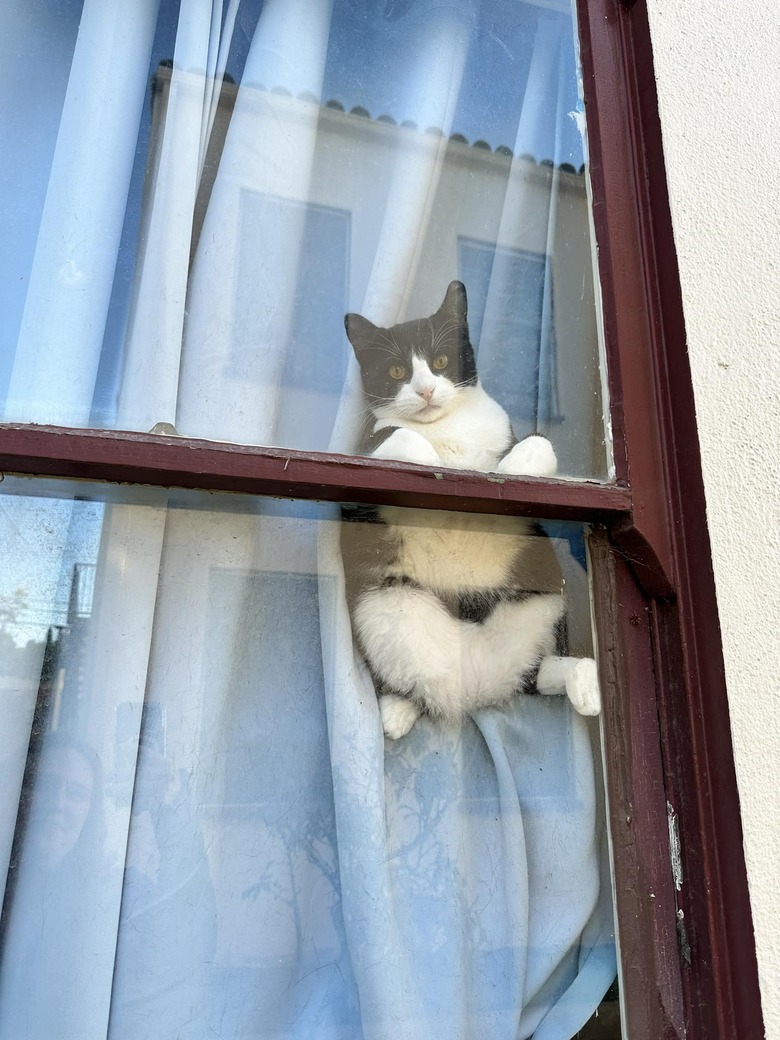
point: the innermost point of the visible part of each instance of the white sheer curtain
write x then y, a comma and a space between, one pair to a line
80, 227
262, 865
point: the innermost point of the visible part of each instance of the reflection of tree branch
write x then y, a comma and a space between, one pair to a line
264, 884
424, 841
427, 809
316, 843
313, 842
286, 894
328, 869
12, 606
427, 792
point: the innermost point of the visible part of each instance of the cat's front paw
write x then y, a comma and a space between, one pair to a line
582, 687
577, 677
408, 446
399, 714
532, 457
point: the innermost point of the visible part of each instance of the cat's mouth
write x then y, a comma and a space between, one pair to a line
429, 411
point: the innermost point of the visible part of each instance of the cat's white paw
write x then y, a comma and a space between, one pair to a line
532, 457
582, 687
399, 714
408, 446
577, 677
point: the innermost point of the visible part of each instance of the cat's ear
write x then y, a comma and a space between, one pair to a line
360, 331
455, 304
453, 316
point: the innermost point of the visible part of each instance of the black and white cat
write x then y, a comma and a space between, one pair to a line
459, 611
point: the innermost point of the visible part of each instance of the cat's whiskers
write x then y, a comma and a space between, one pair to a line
443, 332
384, 339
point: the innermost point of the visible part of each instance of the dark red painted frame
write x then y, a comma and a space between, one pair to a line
688, 955
658, 622
141, 458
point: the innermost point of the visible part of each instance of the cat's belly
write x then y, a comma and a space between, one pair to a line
449, 552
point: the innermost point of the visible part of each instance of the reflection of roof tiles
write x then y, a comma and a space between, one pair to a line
500, 149
230, 86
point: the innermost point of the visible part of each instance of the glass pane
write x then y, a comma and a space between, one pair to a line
184, 246
203, 830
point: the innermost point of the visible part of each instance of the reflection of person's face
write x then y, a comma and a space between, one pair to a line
61, 803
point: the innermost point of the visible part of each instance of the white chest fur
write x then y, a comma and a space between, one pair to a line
474, 435
448, 552
451, 551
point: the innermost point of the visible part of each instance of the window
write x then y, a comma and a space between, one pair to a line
223, 246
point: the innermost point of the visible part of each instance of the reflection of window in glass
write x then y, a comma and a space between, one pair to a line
516, 347
316, 353
257, 836
377, 166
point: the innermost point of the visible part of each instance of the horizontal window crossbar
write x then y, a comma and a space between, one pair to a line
170, 461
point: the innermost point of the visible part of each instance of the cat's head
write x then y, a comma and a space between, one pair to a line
416, 370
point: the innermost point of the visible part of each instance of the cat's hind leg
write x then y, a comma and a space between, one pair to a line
398, 715
577, 677
414, 645
506, 650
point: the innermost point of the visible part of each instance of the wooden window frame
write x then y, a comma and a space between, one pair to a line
660, 630
688, 964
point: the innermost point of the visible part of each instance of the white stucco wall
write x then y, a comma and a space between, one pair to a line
718, 79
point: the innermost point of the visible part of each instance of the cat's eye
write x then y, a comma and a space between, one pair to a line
440, 362
397, 371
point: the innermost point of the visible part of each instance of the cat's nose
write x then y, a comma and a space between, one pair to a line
426, 394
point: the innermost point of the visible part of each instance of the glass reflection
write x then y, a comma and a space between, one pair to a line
257, 171
204, 827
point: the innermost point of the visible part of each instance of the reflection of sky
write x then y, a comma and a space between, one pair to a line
43, 539
502, 40
32, 84
35, 53
372, 42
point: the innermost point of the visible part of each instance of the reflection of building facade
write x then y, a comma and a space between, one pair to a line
515, 231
